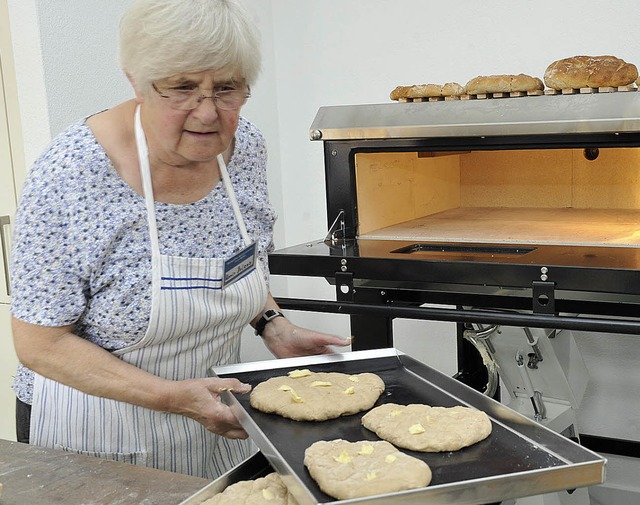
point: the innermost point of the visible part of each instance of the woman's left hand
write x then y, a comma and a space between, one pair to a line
286, 340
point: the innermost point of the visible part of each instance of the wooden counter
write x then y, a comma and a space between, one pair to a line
37, 476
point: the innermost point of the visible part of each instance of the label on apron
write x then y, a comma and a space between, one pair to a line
239, 265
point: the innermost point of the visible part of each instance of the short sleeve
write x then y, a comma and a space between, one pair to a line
48, 276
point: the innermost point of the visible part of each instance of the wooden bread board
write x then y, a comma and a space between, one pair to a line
515, 94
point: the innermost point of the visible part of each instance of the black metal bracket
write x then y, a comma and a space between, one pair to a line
344, 286
544, 298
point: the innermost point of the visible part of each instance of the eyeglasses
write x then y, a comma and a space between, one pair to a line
188, 98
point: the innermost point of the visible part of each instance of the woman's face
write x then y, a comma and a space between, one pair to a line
184, 137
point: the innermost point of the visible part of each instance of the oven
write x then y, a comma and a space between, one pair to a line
512, 216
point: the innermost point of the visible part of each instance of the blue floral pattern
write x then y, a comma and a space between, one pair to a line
81, 252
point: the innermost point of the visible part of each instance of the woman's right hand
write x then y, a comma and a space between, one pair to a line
200, 400
95, 371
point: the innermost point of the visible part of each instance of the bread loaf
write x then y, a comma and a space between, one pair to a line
503, 84
424, 91
453, 89
399, 93
427, 91
590, 72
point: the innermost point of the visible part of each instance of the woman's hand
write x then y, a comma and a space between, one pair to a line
200, 400
286, 340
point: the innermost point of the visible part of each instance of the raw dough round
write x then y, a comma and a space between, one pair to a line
348, 470
428, 429
317, 396
268, 490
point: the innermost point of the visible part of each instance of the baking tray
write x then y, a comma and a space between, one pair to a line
520, 457
254, 467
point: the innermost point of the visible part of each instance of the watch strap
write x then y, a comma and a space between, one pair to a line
269, 315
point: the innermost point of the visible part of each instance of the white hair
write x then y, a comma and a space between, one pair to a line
161, 38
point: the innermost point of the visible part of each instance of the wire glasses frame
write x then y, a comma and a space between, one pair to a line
181, 99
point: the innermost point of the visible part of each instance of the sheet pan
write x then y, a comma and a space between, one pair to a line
520, 458
253, 467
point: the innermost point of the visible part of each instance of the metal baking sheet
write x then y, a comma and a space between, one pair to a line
254, 467
520, 457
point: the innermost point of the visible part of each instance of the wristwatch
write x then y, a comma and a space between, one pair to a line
268, 315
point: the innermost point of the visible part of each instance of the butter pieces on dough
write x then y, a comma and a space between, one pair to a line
348, 470
268, 490
317, 396
428, 429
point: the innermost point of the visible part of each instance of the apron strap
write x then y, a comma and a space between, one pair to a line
147, 187
232, 197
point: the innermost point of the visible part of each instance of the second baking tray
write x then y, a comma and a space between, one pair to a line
520, 457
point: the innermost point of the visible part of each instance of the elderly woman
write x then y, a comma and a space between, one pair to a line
140, 253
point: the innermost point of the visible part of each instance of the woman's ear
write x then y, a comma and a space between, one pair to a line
136, 89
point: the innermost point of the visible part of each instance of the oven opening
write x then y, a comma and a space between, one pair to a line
512, 198
446, 248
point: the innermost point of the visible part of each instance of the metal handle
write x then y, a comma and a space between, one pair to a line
4, 220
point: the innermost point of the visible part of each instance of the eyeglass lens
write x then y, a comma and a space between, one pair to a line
189, 99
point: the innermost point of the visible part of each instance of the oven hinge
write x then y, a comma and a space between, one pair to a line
544, 301
337, 231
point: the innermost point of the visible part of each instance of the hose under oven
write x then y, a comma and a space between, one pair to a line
478, 336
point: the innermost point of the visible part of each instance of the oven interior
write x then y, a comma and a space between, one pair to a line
587, 197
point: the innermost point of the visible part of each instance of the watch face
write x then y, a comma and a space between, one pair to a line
269, 315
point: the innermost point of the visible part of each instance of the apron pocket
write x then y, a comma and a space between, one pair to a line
133, 458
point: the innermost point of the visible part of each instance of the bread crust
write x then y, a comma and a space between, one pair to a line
453, 89
399, 93
505, 83
427, 91
589, 72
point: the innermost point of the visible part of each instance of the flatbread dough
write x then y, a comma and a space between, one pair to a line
303, 395
348, 470
428, 429
265, 490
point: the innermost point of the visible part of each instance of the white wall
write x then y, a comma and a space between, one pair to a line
333, 52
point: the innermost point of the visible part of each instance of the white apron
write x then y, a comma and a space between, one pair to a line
194, 324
